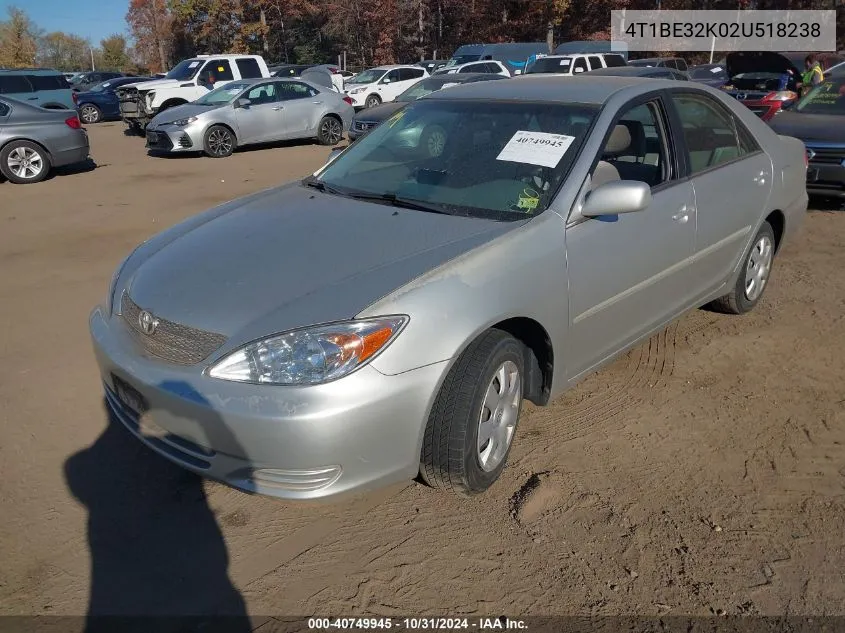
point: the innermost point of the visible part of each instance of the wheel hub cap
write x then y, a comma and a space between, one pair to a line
758, 267
25, 162
499, 413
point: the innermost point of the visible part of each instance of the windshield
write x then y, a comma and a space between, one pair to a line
185, 70
560, 65
493, 159
102, 87
223, 94
367, 77
826, 98
421, 89
463, 59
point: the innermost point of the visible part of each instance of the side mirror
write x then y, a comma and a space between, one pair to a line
243, 102
517, 72
578, 70
617, 196
385, 80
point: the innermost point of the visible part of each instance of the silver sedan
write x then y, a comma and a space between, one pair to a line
389, 315
248, 112
33, 140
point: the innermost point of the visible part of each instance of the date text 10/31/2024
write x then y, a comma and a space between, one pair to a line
417, 624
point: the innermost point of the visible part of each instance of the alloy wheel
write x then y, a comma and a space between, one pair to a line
220, 142
332, 131
25, 163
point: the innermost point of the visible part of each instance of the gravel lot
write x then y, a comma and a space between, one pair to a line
703, 472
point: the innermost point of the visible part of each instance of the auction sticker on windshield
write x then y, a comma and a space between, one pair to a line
536, 148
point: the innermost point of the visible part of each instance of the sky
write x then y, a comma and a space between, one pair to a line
94, 19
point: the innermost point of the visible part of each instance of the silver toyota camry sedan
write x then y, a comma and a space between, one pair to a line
248, 112
388, 316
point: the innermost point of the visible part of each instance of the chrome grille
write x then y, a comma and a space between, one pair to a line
363, 126
829, 155
171, 341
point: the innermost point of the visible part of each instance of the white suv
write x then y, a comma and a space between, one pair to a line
488, 66
187, 81
382, 85
574, 64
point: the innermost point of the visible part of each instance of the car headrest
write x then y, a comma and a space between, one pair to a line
619, 141
603, 173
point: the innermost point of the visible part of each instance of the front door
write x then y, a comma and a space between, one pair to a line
629, 273
262, 120
723, 156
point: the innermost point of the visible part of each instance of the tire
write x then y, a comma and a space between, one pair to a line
329, 131
218, 142
753, 277
12, 162
433, 141
372, 101
451, 457
90, 114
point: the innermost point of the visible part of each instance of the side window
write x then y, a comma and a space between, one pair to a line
637, 148
263, 93
614, 61
392, 77
595, 62
581, 63
4, 109
290, 90
45, 82
248, 68
713, 136
216, 70
14, 84
409, 74
680, 64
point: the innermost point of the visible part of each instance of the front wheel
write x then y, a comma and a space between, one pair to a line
472, 423
90, 114
329, 131
753, 276
372, 101
24, 162
219, 142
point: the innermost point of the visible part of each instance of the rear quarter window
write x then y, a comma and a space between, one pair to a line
614, 61
48, 82
4, 109
14, 84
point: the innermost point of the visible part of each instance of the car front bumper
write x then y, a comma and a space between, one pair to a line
169, 138
355, 434
826, 174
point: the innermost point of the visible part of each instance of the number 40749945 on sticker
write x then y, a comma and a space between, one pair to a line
536, 148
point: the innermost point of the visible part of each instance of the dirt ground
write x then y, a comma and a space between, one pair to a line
702, 473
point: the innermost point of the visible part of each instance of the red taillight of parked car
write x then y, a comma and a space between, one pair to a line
73, 122
781, 95
348, 100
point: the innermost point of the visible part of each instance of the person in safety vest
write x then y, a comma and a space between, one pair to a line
813, 74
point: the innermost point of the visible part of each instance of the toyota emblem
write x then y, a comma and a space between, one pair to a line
810, 154
147, 322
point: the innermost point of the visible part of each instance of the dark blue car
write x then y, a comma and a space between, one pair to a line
100, 102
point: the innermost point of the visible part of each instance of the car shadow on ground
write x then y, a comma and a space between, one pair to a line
84, 167
156, 549
239, 150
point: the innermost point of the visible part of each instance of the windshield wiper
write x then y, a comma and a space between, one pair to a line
396, 201
319, 185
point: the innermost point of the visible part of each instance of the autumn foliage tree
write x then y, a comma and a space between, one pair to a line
18, 40
150, 22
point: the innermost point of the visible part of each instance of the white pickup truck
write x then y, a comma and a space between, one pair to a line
187, 81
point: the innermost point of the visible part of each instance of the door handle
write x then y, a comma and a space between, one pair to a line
277, 108
317, 102
682, 215
760, 179
32, 98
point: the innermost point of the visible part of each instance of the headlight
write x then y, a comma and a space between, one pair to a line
150, 96
310, 356
357, 91
184, 122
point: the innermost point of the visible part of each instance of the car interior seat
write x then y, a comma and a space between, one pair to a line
626, 156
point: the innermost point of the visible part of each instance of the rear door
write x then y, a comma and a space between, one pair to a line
595, 62
732, 182
301, 105
17, 87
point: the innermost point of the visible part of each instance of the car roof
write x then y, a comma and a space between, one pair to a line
30, 71
394, 66
550, 88
631, 71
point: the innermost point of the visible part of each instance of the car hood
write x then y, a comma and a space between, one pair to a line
758, 62
829, 128
293, 257
183, 112
380, 113
155, 84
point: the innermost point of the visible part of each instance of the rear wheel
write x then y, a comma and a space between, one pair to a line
89, 113
330, 131
753, 277
433, 141
24, 162
372, 101
219, 142
472, 423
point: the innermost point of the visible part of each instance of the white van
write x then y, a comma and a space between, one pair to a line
574, 64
